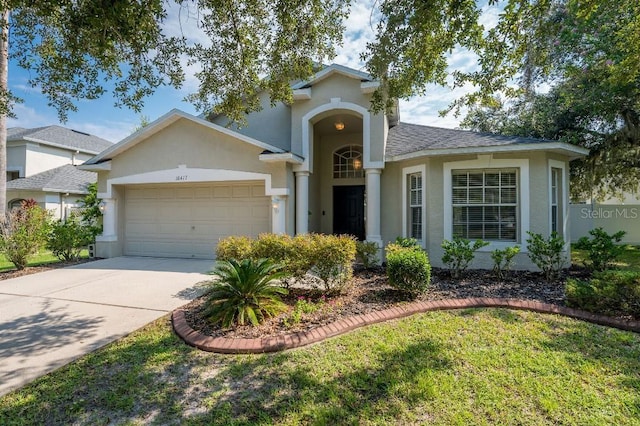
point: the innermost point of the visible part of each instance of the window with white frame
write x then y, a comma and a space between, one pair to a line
485, 204
347, 162
414, 186
556, 201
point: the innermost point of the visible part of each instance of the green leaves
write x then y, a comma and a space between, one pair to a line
72, 48
246, 292
261, 46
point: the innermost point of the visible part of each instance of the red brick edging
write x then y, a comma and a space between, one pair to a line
294, 340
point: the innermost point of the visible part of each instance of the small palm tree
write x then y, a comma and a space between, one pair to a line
246, 290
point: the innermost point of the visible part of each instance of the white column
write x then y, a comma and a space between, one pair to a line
373, 206
302, 202
279, 214
109, 232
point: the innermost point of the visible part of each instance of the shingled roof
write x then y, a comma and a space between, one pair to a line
408, 138
64, 179
61, 137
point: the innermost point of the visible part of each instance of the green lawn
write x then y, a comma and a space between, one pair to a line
43, 258
476, 367
629, 260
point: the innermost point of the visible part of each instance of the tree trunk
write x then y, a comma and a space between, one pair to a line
4, 91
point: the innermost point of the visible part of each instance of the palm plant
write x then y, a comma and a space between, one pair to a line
245, 290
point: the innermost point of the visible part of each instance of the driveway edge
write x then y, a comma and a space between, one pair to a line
345, 325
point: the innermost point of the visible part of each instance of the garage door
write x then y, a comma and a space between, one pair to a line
188, 221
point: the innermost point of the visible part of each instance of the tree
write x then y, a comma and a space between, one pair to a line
90, 212
586, 50
73, 47
23, 232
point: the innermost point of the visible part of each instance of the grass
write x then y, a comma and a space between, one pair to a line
629, 260
478, 367
45, 257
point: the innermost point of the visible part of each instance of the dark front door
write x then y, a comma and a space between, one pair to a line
348, 210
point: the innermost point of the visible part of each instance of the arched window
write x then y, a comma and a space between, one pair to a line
347, 162
16, 203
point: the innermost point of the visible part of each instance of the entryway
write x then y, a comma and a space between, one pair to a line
348, 210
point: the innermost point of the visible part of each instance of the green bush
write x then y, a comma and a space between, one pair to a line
408, 269
24, 232
602, 249
246, 291
503, 259
367, 253
90, 212
272, 246
332, 258
608, 292
406, 242
68, 237
238, 248
459, 253
547, 254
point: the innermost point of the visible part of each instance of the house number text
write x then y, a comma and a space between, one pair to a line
183, 177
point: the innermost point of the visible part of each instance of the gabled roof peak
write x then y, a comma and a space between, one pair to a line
330, 70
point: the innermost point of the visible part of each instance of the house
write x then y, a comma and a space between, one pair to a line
327, 164
41, 165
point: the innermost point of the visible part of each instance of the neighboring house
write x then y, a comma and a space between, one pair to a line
41, 165
326, 164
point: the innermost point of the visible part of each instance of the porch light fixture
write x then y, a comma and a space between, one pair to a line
357, 163
339, 125
102, 206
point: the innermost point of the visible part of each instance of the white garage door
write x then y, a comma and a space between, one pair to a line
188, 221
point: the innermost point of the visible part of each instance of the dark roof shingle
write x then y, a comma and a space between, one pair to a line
408, 138
65, 178
58, 135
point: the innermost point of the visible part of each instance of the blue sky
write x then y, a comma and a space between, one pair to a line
101, 118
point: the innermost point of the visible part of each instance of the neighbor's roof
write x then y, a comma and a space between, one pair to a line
60, 137
64, 179
412, 140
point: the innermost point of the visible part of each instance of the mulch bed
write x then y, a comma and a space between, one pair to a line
14, 273
371, 292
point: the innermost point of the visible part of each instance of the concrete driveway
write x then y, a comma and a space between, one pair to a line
51, 318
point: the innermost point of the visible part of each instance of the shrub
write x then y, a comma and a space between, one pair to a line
23, 232
238, 248
408, 269
503, 259
547, 254
608, 292
406, 242
247, 290
90, 212
367, 253
459, 253
300, 259
602, 249
332, 258
272, 246
68, 237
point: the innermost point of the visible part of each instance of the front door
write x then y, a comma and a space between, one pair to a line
348, 210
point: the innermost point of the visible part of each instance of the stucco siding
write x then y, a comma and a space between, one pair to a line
39, 158
337, 86
537, 205
272, 124
193, 145
17, 158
